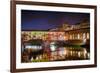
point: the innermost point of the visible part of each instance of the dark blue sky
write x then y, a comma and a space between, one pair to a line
44, 20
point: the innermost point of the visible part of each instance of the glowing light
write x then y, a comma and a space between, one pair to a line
71, 52
88, 54
52, 46
79, 54
33, 47
85, 51
84, 41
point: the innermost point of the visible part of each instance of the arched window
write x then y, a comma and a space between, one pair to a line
78, 36
83, 35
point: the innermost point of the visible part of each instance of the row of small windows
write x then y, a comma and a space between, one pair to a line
58, 36
78, 36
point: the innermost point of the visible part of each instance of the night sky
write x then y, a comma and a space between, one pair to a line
45, 20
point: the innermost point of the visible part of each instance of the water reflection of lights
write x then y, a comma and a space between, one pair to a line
85, 51
88, 55
84, 41
63, 53
79, 54
71, 53
52, 46
35, 47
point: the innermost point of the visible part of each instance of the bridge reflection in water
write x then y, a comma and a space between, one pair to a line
55, 53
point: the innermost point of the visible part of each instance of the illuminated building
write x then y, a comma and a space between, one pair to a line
78, 34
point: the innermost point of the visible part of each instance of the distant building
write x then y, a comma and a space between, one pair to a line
78, 31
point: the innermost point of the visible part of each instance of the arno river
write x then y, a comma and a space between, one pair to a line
54, 53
